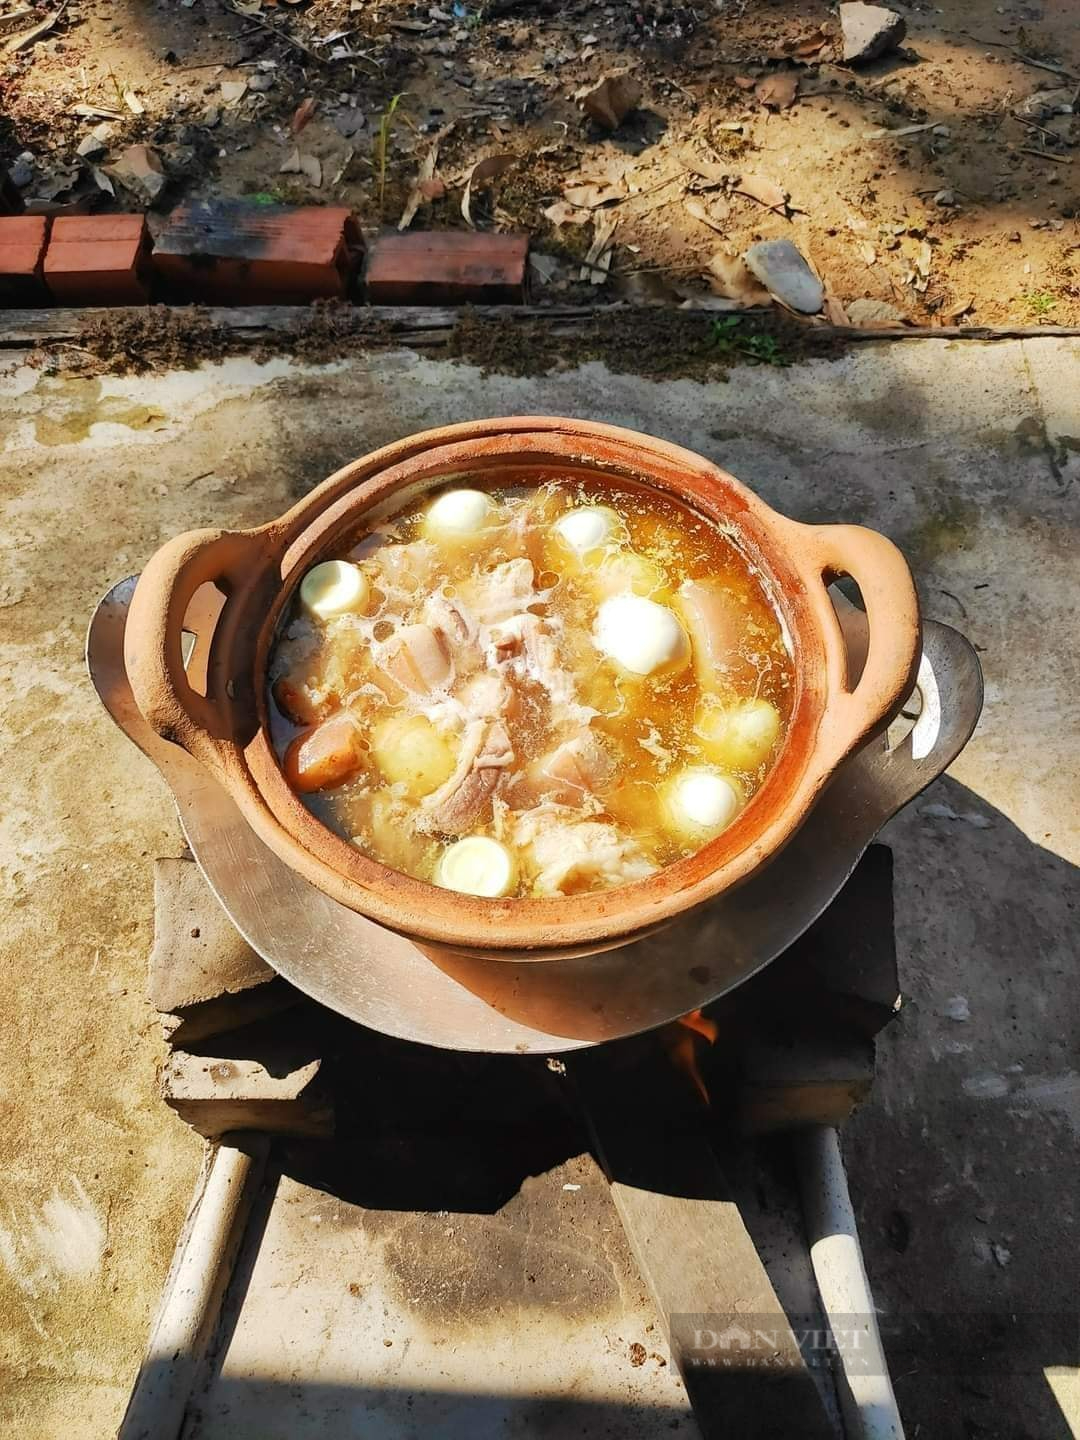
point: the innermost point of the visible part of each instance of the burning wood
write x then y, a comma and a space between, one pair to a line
682, 1038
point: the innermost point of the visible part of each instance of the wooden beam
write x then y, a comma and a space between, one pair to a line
417, 325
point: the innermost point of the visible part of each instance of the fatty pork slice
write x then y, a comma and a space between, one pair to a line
465, 800
498, 593
716, 620
569, 855
571, 774
421, 660
525, 644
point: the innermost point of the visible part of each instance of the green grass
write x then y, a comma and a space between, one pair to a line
1038, 303
382, 140
731, 337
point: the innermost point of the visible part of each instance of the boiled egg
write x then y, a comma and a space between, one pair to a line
336, 587
457, 514
587, 526
700, 802
641, 636
477, 865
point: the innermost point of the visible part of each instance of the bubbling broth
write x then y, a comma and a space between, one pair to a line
541, 691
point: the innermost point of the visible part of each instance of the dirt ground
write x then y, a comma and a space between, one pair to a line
973, 213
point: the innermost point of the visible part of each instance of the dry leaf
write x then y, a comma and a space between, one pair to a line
765, 192
812, 45
729, 276
712, 215
563, 214
710, 170
961, 308
590, 196
480, 173
134, 104
881, 133
599, 254
311, 168
425, 186
778, 91
291, 164
29, 37
303, 114
233, 90
609, 102
102, 181
834, 311
745, 82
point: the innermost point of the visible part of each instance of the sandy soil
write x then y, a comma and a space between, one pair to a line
958, 217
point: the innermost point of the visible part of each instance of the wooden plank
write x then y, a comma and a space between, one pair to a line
23, 327
694, 1250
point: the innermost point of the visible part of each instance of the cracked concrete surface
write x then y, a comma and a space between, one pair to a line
963, 1164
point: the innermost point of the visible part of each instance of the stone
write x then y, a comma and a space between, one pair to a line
203, 977
139, 170
782, 269
96, 142
869, 31
260, 82
276, 1088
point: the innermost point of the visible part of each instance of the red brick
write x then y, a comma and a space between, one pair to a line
243, 254
99, 260
22, 255
447, 267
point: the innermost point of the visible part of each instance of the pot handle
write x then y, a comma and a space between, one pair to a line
204, 725
856, 712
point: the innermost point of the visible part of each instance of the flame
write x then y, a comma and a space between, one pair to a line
701, 1025
683, 1036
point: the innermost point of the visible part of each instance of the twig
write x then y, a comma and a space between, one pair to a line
279, 33
1046, 155
1027, 59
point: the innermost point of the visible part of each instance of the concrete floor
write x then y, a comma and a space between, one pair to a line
963, 1164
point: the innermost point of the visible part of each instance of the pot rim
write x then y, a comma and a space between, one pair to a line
228, 730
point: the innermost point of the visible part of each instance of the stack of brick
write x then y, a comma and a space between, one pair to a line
235, 253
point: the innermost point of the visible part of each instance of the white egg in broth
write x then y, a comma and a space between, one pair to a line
589, 678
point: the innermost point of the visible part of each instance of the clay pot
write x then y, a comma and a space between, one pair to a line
217, 710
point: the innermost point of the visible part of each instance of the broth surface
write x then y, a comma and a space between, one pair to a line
531, 691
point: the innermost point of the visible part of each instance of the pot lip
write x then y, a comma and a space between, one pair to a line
597, 919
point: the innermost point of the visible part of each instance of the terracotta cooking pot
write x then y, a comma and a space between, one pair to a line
217, 710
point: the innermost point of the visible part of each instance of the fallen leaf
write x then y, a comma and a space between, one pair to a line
765, 192
102, 181
134, 104
960, 308
233, 91
599, 254
812, 45
834, 311
729, 276
303, 114
425, 186
590, 196
881, 133
95, 112
31, 36
480, 173
291, 164
609, 102
705, 168
918, 276
745, 82
712, 215
311, 169
563, 214
777, 91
